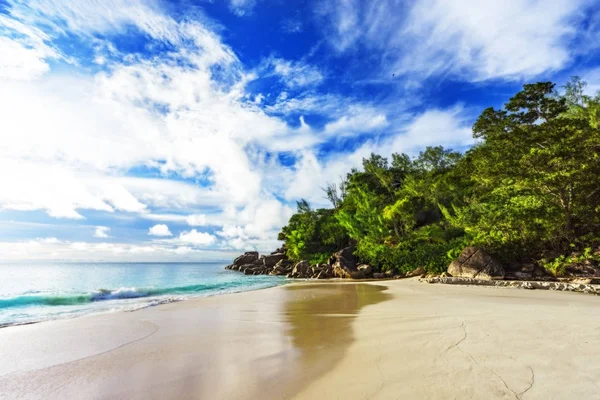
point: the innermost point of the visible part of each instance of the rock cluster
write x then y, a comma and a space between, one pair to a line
475, 267
475, 263
472, 267
251, 264
540, 285
342, 264
527, 271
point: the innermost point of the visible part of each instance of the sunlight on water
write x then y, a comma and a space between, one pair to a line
35, 292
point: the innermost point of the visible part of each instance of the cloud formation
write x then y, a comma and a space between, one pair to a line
473, 40
101, 232
128, 113
159, 230
196, 238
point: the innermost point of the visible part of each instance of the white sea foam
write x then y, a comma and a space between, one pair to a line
121, 293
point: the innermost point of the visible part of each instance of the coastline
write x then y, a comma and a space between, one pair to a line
123, 299
318, 340
187, 349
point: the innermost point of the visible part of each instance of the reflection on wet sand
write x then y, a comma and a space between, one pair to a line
320, 319
267, 344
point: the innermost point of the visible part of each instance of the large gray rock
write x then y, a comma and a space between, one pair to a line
244, 267
322, 275
277, 272
285, 264
283, 267
475, 263
272, 259
343, 269
365, 268
347, 255
343, 264
248, 257
301, 269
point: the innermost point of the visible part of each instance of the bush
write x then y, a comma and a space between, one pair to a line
559, 265
405, 257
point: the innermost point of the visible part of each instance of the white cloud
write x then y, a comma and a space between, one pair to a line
53, 249
343, 28
449, 128
482, 37
183, 250
197, 238
60, 191
241, 7
295, 74
89, 17
72, 142
256, 226
159, 230
217, 218
196, 220
192, 219
24, 50
19, 62
310, 102
207, 126
50, 240
101, 232
476, 40
357, 120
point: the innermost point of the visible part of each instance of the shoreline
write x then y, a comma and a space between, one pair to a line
151, 299
305, 340
589, 289
264, 334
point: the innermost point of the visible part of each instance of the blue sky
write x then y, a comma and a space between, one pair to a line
147, 130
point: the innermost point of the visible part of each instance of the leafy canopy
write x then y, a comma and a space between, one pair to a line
529, 189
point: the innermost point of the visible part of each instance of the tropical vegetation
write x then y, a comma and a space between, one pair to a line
527, 191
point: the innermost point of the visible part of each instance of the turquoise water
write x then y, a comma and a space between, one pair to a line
37, 292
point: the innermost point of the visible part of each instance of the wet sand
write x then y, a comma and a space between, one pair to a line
263, 344
386, 340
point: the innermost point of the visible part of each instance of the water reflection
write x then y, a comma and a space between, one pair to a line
267, 344
320, 319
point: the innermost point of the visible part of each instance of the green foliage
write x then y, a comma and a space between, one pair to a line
527, 190
312, 234
558, 266
580, 105
403, 258
535, 173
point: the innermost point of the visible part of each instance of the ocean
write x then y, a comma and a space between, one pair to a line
39, 292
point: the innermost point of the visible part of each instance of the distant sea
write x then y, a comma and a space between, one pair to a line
38, 292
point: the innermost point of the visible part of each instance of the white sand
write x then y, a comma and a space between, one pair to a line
451, 342
325, 341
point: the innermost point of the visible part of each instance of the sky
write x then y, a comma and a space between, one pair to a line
149, 130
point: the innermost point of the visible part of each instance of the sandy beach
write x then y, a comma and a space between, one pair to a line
383, 340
